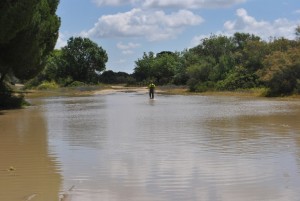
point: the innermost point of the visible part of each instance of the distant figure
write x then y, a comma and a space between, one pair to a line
151, 90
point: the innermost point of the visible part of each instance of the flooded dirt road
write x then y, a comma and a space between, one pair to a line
123, 146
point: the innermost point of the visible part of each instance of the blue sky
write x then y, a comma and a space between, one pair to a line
128, 28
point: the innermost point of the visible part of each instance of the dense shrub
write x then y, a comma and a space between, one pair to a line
9, 100
48, 85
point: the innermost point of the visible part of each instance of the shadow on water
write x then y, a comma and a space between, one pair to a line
28, 170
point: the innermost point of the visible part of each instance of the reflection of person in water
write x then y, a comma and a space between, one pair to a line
151, 90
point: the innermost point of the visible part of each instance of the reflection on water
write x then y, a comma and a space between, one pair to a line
126, 147
27, 170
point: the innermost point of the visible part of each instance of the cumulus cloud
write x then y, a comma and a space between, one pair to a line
61, 41
113, 2
154, 26
171, 3
127, 48
190, 4
245, 23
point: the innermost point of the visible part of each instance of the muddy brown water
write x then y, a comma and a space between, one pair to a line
123, 146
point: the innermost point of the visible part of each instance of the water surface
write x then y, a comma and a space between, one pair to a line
125, 147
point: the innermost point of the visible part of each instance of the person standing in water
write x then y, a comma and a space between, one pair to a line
151, 90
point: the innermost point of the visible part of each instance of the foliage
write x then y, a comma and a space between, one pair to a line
82, 60
210, 62
159, 68
240, 62
50, 72
28, 32
239, 78
9, 100
48, 85
243, 64
110, 77
144, 67
77, 84
281, 72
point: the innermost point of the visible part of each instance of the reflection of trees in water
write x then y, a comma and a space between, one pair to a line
255, 134
24, 146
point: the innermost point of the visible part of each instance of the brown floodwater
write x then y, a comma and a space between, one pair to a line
122, 146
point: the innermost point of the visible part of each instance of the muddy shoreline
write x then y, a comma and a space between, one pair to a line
166, 90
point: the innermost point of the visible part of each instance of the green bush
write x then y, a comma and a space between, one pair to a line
9, 100
283, 83
192, 82
76, 84
48, 85
240, 78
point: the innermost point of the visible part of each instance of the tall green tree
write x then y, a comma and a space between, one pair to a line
165, 66
144, 67
28, 33
159, 68
83, 60
241, 39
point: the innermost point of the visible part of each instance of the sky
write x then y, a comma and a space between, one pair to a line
126, 29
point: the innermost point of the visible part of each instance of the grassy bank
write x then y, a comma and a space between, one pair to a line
87, 90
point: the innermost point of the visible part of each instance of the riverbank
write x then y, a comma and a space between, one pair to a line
166, 90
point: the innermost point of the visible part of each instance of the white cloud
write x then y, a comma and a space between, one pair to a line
113, 2
127, 48
122, 46
191, 3
245, 23
61, 41
171, 3
297, 11
154, 26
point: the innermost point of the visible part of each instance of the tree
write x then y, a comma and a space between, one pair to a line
51, 72
214, 46
281, 72
164, 67
110, 77
83, 60
144, 67
28, 33
241, 39
159, 68
239, 78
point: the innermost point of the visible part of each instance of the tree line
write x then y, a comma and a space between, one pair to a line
222, 63
241, 61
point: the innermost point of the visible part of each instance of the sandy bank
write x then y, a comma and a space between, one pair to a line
123, 89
